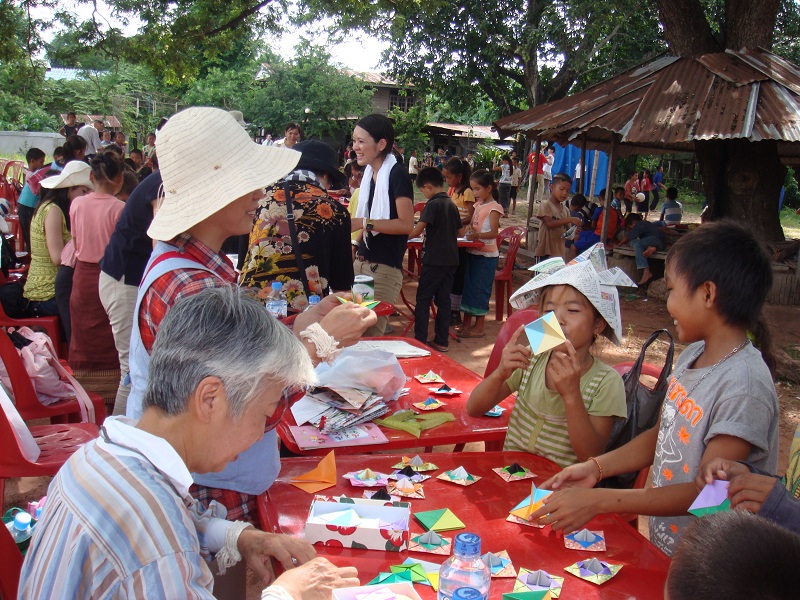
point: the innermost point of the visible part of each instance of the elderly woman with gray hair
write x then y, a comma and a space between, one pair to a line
120, 521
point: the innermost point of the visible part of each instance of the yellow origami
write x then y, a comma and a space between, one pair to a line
544, 333
531, 504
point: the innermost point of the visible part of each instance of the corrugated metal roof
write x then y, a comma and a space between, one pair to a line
476, 131
669, 103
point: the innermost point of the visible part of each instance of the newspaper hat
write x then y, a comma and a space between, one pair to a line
588, 274
75, 172
207, 161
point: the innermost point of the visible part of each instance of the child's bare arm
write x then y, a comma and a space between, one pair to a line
550, 222
418, 229
494, 388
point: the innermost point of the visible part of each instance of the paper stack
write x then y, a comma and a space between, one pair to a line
334, 409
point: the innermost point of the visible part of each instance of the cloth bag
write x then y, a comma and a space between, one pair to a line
51, 381
643, 407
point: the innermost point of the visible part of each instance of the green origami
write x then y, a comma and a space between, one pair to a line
442, 519
540, 595
400, 577
415, 571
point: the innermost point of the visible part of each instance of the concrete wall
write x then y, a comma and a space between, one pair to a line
19, 142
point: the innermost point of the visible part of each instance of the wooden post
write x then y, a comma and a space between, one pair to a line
612, 165
594, 174
583, 165
532, 181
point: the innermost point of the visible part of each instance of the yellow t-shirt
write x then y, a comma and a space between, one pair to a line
538, 422
463, 202
351, 208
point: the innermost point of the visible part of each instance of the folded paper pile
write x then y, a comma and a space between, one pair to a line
410, 473
431, 571
499, 564
522, 512
370, 304
366, 478
458, 476
441, 519
416, 463
405, 487
430, 404
495, 412
538, 582
431, 542
380, 495
444, 390
514, 472
413, 423
591, 541
596, 571
429, 377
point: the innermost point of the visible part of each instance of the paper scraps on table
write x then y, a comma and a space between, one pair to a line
370, 304
430, 404
367, 478
459, 476
320, 477
514, 472
380, 494
405, 487
441, 519
596, 571
429, 377
544, 333
538, 581
444, 390
713, 498
415, 463
432, 543
431, 571
590, 541
499, 564
495, 412
410, 473
522, 512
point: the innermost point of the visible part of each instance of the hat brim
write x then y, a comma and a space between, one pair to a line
337, 178
69, 178
245, 171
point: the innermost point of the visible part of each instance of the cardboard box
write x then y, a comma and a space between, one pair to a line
406, 589
384, 526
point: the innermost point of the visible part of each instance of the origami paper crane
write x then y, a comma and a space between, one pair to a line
529, 505
320, 477
712, 499
415, 570
366, 478
429, 377
343, 518
514, 472
415, 463
405, 487
538, 581
384, 578
430, 404
431, 571
544, 333
459, 476
596, 571
499, 564
444, 390
380, 495
410, 473
495, 412
432, 543
591, 541
370, 304
441, 519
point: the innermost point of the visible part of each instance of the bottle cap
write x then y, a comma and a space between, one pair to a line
22, 521
313, 299
466, 593
277, 285
467, 544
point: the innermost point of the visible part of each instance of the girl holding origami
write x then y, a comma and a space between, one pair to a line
721, 402
567, 399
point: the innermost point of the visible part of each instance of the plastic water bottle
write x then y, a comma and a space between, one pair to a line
276, 301
20, 527
313, 300
465, 569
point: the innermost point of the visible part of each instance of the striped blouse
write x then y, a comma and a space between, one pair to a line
538, 423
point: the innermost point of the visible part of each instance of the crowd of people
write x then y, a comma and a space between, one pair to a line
151, 296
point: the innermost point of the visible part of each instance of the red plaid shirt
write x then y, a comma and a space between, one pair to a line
181, 283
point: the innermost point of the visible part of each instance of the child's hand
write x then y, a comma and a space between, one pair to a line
576, 220
583, 475
749, 491
719, 468
564, 371
515, 356
568, 510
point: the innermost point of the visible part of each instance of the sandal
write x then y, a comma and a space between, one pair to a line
471, 334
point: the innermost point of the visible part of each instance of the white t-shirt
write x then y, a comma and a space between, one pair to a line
413, 165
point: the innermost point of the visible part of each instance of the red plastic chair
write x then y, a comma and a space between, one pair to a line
25, 398
10, 565
50, 325
13, 180
56, 442
522, 317
502, 278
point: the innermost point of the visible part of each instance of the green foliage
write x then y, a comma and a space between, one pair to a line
476, 109
310, 90
485, 155
792, 195
409, 128
225, 89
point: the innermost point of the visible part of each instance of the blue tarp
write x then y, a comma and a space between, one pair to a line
566, 159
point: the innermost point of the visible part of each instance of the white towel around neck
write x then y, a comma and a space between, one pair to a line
380, 201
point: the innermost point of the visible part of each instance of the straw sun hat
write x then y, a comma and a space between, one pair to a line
207, 161
74, 173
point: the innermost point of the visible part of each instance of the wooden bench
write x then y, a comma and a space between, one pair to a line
628, 251
623, 257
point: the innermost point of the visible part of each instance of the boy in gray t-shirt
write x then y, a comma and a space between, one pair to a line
737, 399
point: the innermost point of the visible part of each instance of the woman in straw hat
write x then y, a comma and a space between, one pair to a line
50, 231
120, 522
214, 176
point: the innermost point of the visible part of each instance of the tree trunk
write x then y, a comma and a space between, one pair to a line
742, 180
750, 24
685, 27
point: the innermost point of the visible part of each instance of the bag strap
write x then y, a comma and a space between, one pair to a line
298, 255
666, 370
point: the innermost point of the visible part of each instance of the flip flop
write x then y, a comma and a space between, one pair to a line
470, 334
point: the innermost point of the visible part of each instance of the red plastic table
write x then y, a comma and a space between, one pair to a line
491, 430
483, 507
